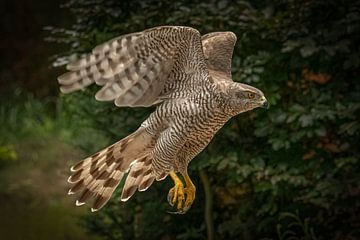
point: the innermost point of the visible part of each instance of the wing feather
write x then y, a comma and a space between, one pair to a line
218, 49
138, 69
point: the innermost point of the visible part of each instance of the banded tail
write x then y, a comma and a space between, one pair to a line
97, 176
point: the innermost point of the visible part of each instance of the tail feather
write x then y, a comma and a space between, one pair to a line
147, 177
146, 182
107, 190
97, 176
138, 171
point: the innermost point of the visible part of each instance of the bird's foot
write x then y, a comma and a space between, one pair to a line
181, 197
190, 196
176, 195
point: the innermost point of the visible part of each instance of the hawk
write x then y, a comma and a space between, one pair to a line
188, 77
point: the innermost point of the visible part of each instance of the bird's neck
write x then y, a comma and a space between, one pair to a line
221, 96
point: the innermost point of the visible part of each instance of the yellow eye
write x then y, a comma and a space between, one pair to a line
251, 95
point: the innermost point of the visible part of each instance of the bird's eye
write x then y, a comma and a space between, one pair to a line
251, 95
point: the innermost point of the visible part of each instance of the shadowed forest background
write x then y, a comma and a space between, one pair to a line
291, 172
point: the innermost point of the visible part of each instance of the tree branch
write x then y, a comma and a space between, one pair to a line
209, 221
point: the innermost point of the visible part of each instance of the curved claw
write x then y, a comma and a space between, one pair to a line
178, 212
170, 197
183, 204
190, 197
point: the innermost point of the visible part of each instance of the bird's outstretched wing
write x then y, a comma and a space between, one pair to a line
139, 69
218, 49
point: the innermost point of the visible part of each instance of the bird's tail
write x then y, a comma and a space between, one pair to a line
97, 176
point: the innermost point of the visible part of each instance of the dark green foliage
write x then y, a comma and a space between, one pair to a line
301, 156
33, 168
7, 156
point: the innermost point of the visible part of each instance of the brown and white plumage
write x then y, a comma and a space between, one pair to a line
187, 75
134, 69
218, 49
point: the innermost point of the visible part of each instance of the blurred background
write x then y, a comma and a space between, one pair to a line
291, 172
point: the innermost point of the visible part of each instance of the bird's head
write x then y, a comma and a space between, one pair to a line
242, 98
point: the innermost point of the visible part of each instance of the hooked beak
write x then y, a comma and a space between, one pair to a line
264, 103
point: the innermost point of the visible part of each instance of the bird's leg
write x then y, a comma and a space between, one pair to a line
190, 191
176, 194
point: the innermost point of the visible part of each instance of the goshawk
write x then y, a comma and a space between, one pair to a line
188, 77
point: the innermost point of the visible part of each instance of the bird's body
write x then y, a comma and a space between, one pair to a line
188, 77
184, 127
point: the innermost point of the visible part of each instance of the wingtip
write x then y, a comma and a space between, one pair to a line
60, 78
97, 97
94, 209
72, 67
65, 89
66, 78
104, 95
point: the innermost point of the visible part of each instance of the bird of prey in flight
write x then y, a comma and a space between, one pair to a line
188, 78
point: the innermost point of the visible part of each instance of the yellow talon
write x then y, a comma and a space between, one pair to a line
178, 193
190, 191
